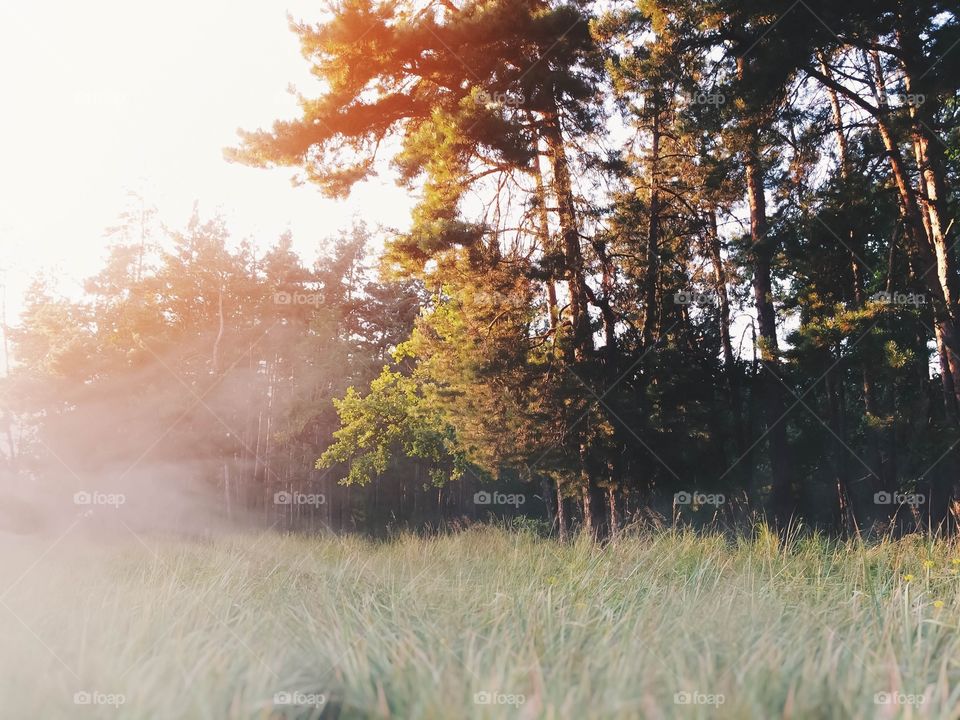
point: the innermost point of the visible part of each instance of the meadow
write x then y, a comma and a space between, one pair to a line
483, 623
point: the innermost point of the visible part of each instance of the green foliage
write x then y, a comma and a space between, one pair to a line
392, 420
644, 257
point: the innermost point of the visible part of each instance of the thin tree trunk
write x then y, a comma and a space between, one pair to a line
563, 522
922, 245
546, 488
614, 511
215, 360
922, 251
582, 346
931, 194
570, 235
729, 362
782, 496
548, 250
651, 315
857, 272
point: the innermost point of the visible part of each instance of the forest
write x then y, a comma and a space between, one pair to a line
670, 262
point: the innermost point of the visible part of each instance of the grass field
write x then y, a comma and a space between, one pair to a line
484, 623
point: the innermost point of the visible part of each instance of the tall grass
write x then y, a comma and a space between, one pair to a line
436, 627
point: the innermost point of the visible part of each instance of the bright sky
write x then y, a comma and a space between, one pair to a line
107, 95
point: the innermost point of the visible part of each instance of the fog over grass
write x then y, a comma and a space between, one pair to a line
483, 623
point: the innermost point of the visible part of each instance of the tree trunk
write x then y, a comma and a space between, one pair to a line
549, 251
582, 346
931, 195
919, 241
782, 495
651, 314
614, 511
729, 362
549, 504
927, 260
215, 360
857, 272
570, 235
563, 517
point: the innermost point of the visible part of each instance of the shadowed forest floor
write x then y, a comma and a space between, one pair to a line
482, 624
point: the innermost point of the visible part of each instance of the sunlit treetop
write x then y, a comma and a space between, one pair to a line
468, 77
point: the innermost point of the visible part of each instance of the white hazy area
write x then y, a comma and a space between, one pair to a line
103, 97
110, 96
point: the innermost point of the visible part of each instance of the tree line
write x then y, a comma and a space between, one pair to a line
669, 260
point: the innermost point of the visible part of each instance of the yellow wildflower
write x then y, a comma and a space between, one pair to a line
908, 577
938, 604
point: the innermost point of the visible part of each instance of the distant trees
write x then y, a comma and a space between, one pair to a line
660, 247
202, 358
754, 166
